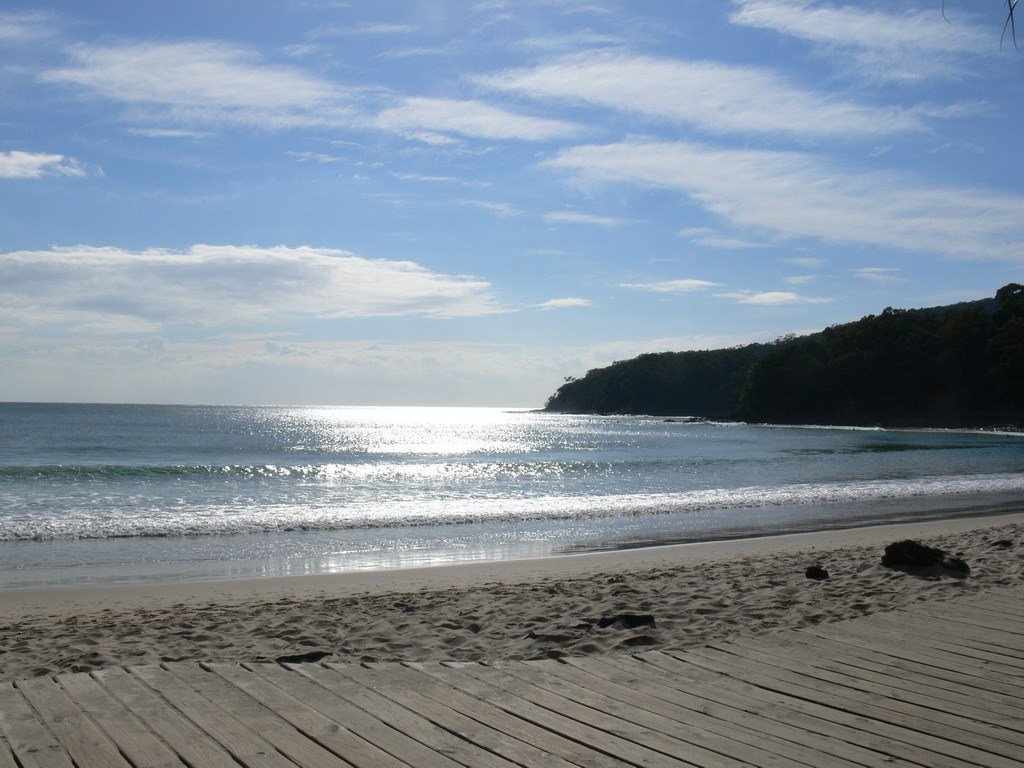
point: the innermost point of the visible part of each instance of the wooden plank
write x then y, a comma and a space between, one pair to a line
908, 708
622, 750
643, 736
411, 676
829, 723
6, 755
696, 744
861, 646
330, 703
949, 632
330, 734
766, 722
976, 617
923, 647
1009, 601
137, 743
185, 738
1012, 618
29, 740
769, 749
380, 678
877, 668
86, 744
244, 744
351, 687
883, 722
262, 716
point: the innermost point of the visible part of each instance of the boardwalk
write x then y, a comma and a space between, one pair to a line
940, 685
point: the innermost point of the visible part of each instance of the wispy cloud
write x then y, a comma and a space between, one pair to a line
712, 238
504, 210
217, 286
574, 41
470, 118
36, 165
805, 261
315, 157
565, 303
903, 44
879, 275
800, 279
365, 28
801, 195
169, 133
211, 82
574, 217
24, 27
687, 285
771, 298
429, 178
716, 97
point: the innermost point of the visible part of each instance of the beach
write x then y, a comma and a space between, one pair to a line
656, 598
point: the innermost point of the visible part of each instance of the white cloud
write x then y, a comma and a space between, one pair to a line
712, 238
805, 261
574, 41
469, 118
24, 27
216, 83
771, 298
35, 165
800, 279
169, 133
211, 82
504, 210
907, 43
367, 28
716, 97
879, 275
428, 178
565, 303
672, 286
801, 195
572, 217
433, 139
315, 157
206, 285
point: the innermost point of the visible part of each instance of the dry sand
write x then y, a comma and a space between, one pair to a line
512, 610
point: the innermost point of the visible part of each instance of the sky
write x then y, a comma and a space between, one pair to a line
463, 203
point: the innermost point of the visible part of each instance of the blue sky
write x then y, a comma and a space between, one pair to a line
461, 203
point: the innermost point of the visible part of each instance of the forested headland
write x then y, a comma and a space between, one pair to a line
953, 366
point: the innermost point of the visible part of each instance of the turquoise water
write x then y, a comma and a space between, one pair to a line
129, 492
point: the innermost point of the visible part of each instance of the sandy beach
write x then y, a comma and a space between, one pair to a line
677, 596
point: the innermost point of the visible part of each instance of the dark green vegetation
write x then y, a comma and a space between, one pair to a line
955, 366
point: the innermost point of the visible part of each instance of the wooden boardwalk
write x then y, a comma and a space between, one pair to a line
939, 685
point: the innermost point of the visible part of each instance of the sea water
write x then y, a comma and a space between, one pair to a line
121, 493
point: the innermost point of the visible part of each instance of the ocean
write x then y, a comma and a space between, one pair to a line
141, 493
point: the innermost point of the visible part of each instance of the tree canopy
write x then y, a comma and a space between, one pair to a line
953, 366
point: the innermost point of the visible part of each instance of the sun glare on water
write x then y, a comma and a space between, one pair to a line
412, 430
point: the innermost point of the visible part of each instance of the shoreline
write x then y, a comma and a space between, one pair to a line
266, 556
51, 600
688, 594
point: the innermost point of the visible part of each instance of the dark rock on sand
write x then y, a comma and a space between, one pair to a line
816, 572
626, 621
1003, 544
913, 557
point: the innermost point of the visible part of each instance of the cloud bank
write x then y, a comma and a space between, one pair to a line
114, 290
